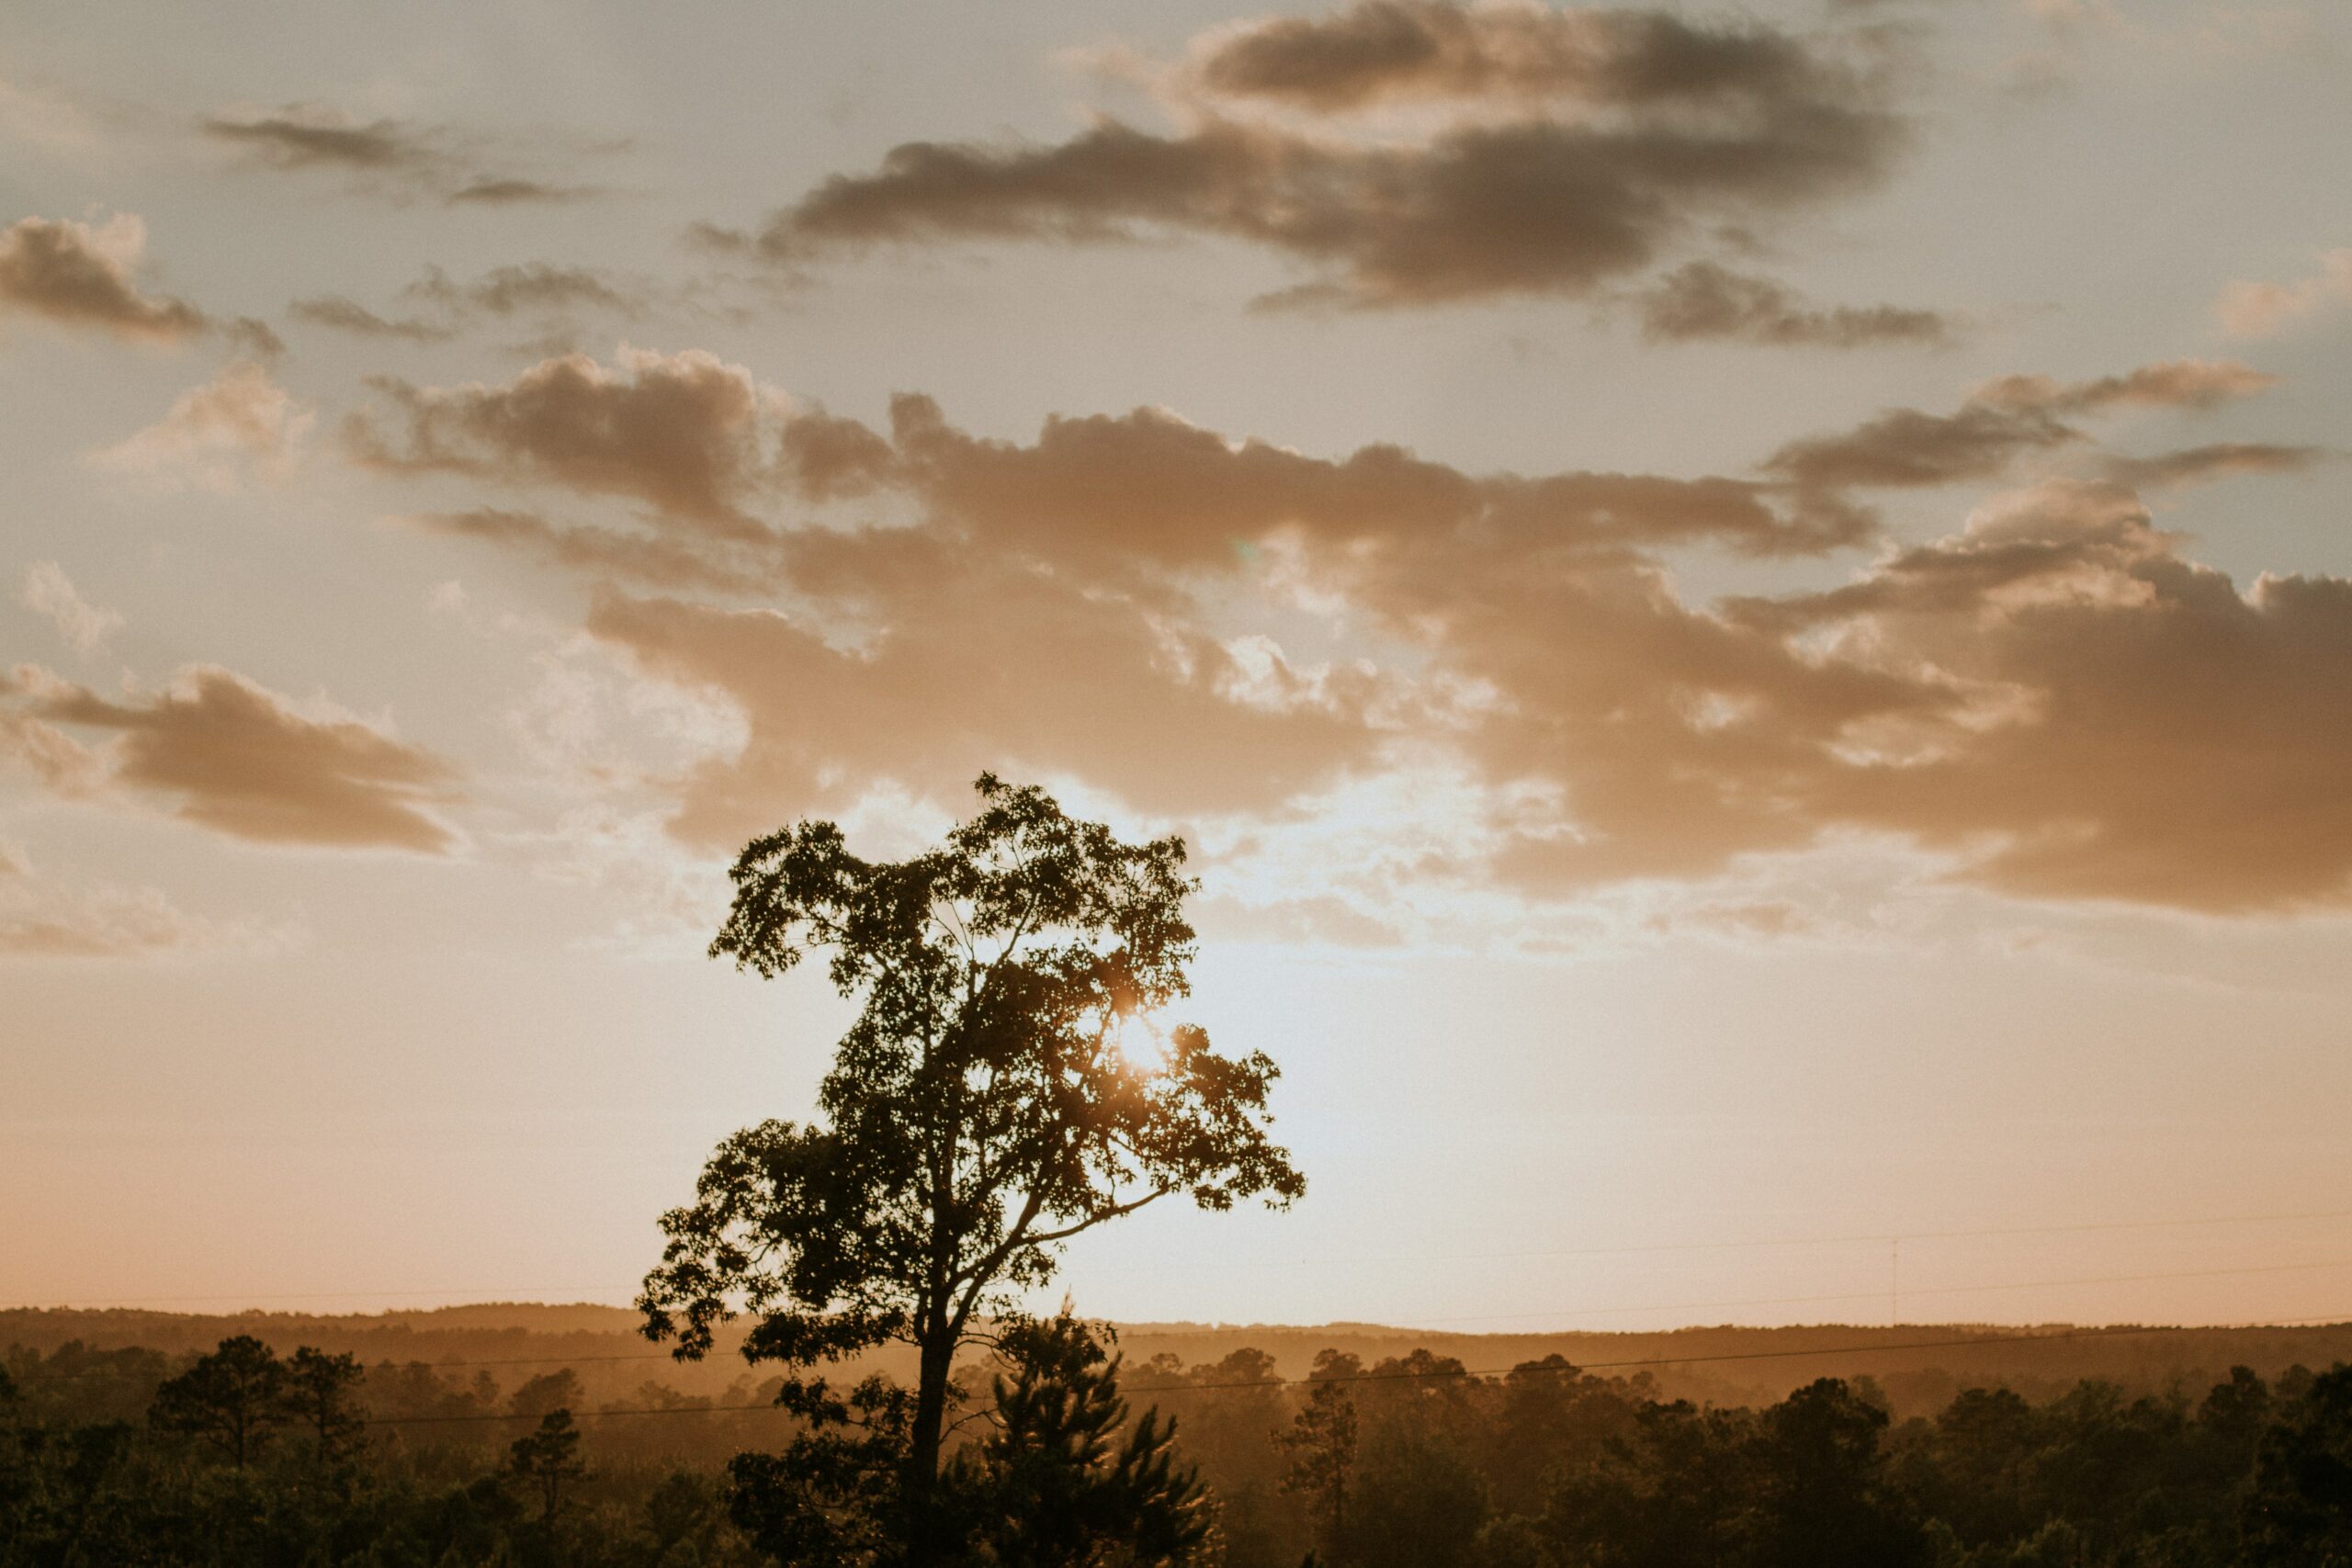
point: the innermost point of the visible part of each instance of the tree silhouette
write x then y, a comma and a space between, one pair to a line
548, 1457
2298, 1512
233, 1398
989, 1102
1057, 1487
1322, 1442
321, 1397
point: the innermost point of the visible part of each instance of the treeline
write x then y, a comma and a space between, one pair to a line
1920, 1367
245, 1457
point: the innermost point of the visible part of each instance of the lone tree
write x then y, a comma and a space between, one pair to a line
1006, 1085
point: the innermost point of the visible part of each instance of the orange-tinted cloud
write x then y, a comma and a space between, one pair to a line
1701, 300
2150, 732
1390, 51
2001, 421
240, 759
654, 559
1664, 129
1101, 602
343, 315
386, 157
240, 425
43, 917
685, 433
2214, 460
932, 658
48, 592
80, 275
2259, 309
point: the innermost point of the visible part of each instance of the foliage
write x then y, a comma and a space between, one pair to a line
1005, 1087
1544, 1466
233, 1398
547, 1459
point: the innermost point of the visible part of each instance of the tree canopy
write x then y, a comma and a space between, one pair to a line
1009, 1082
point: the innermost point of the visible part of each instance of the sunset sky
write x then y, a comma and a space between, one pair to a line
1747, 612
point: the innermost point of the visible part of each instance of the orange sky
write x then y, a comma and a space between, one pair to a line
1747, 613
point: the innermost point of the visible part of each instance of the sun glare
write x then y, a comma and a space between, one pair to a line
1141, 1040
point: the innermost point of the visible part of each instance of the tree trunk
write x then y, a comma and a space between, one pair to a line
938, 1356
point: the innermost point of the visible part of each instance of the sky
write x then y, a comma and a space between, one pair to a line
1746, 610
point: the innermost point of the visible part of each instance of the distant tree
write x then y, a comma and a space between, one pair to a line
1821, 1501
548, 1458
546, 1392
2298, 1513
321, 1394
1676, 1489
233, 1398
1005, 1088
1322, 1444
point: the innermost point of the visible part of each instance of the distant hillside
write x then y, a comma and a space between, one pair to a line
1918, 1365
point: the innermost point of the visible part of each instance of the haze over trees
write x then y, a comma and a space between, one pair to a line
1547, 1466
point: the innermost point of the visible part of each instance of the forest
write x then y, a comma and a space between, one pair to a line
246, 1454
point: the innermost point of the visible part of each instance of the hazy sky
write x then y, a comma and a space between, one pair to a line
1747, 609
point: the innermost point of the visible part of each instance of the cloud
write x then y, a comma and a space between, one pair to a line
43, 917
1907, 448
48, 592
2001, 421
2173, 383
2260, 310
611, 553
79, 275
240, 759
1701, 300
301, 138
2217, 460
968, 661
2155, 734
510, 192
333, 310
388, 157
1663, 129
237, 428
539, 290
685, 433
534, 286
2053, 700
1415, 50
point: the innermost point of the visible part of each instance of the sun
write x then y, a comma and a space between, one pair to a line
1141, 1040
